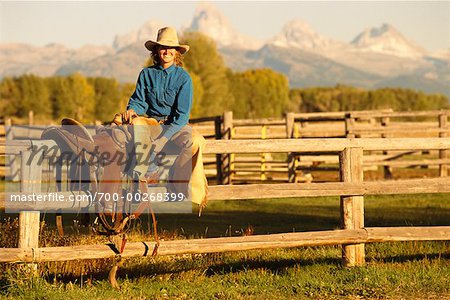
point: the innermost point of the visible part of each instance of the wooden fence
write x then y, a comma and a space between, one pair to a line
3, 161
352, 189
239, 168
297, 166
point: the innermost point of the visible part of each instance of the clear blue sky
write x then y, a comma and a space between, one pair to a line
84, 22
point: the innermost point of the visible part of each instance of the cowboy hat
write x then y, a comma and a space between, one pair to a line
167, 36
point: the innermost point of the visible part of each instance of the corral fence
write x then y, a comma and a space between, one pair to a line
9, 165
296, 166
352, 188
236, 168
3, 163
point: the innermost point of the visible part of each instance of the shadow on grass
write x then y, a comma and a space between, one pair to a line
232, 218
413, 257
275, 266
217, 224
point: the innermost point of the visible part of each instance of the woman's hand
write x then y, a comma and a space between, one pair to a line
128, 115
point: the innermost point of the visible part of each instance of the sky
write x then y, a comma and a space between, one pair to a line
91, 22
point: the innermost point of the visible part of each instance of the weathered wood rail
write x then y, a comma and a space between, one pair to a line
359, 124
351, 189
210, 245
247, 168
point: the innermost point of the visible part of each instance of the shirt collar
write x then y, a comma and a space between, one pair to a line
168, 70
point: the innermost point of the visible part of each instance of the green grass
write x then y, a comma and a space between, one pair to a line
313, 272
393, 270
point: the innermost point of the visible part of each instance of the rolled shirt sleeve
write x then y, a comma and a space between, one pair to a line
137, 100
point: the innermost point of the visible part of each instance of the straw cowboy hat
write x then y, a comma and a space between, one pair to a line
167, 36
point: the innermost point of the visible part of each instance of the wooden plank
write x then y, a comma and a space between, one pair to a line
325, 145
254, 159
398, 125
258, 136
298, 190
350, 127
227, 160
257, 122
31, 176
401, 131
260, 170
387, 170
403, 234
12, 161
286, 190
225, 244
409, 163
246, 179
34, 132
218, 157
286, 145
375, 114
443, 168
338, 114
352, 207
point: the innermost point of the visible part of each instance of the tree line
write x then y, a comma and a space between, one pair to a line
256, 93
83, 98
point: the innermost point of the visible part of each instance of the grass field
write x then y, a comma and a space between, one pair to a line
394, 270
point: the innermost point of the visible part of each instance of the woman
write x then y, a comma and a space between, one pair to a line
164, 92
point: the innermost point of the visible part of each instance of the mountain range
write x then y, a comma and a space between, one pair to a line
377, 57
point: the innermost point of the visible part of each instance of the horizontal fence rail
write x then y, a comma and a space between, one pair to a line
225, 244
280, 190
282, 145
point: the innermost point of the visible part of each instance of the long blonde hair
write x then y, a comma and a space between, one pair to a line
157, 61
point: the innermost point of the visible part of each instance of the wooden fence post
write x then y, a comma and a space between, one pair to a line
352, 207
443, 168
349, 126
227, 159
218, 136
30, 117
31, 176
12, 161
263, 155
290, 123
387, 169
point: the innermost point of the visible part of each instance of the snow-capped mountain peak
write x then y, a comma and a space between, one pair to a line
298, 34
147, 31
211, 22
387, 40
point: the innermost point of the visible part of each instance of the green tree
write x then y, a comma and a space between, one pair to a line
73, 96
34, 95
9, 97
346, 98
260, 93
204, 61
126, 90
107, 97
197, 109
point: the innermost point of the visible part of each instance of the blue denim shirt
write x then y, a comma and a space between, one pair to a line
164, 93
